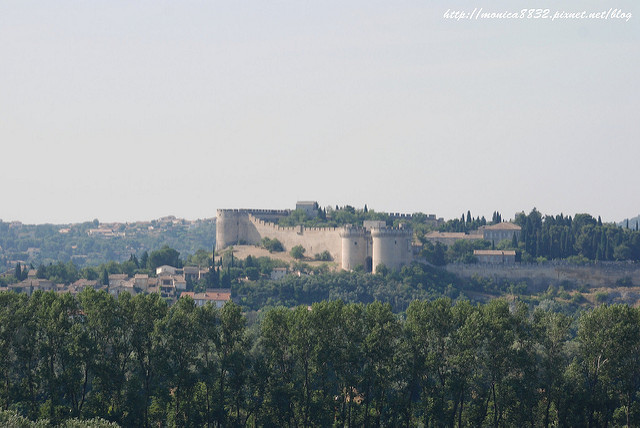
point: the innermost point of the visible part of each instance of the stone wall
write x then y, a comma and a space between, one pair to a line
539, 276
315, 240
391, 247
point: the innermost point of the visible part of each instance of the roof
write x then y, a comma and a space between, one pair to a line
503, 226
209, 296
166, 266
85, 282
494, 253
453, 235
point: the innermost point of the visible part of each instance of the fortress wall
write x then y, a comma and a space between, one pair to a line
226, 228
355, 248
234, 226
314, 239
539, 277
391, 247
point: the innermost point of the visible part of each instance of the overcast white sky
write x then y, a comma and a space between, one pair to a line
132, 110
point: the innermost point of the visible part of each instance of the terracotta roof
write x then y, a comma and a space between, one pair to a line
452, 235
503, 226
494, 253
85, 282
212, 296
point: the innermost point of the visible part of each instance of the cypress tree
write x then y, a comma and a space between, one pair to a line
18, 272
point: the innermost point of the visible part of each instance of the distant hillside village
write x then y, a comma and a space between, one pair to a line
170, 282
92, 243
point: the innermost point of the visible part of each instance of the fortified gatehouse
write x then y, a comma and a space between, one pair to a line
369, 246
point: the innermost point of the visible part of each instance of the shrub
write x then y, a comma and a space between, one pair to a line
273, 245
601, 296
577, 298
324, 256
297, 252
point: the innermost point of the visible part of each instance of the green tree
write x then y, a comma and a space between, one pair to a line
147, 310
18, 272
164, 256
609, 341
297, 252
104, 277
552, 332
273, 245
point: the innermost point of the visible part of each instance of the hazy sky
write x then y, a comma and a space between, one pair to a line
132, 110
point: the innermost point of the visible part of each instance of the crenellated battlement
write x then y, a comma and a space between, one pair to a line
391, 232
296, 229
255, 211
400, 215
350, 231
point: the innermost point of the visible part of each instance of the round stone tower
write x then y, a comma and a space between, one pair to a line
391, 247
355, 248
226, 228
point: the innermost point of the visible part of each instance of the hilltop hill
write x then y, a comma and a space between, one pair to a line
93, 243
632, 222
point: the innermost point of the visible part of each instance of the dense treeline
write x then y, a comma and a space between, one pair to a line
580, 237
138, 362
468, 223
341, 216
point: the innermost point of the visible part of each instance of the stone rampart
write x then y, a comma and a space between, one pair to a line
315, 240
540, 276
391, 247
355, 247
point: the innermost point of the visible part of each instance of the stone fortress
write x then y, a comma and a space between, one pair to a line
370, 245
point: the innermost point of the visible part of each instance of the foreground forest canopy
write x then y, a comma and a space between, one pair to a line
137, 362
